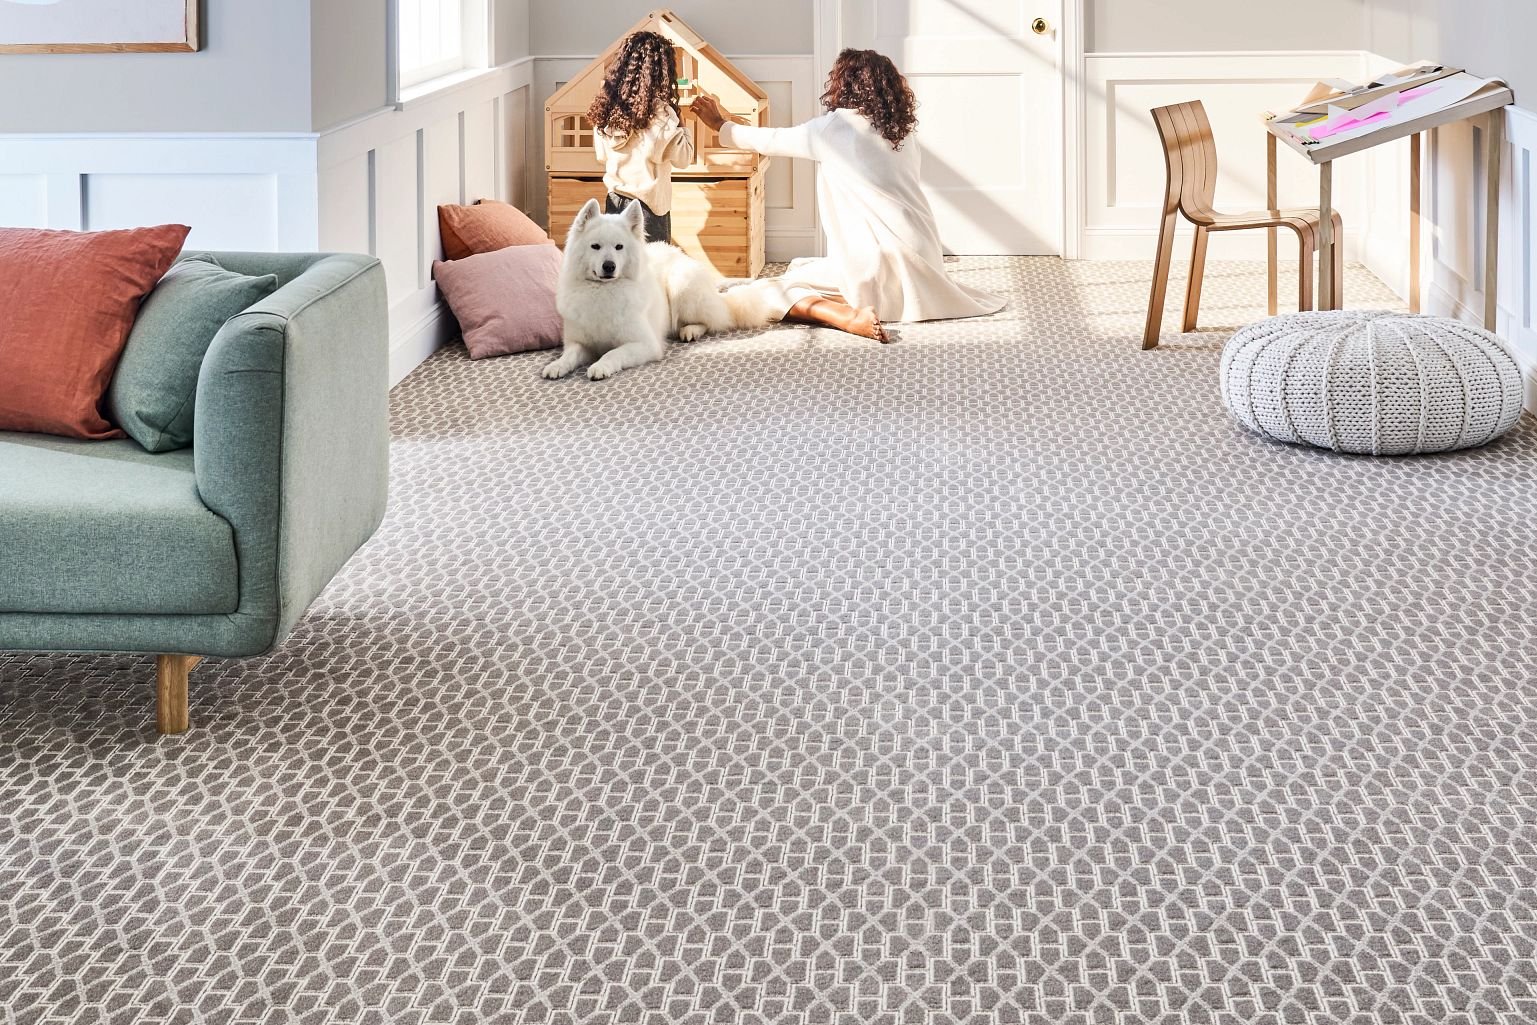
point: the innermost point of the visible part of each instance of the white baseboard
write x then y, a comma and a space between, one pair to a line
412, 344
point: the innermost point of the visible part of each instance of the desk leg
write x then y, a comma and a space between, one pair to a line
1270, 241
1414, 223
1494, 132
1326, 240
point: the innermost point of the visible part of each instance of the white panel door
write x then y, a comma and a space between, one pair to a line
989, 118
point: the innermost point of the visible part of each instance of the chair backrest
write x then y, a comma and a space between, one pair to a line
1190, 154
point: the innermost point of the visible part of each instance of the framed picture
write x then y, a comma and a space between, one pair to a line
98, 26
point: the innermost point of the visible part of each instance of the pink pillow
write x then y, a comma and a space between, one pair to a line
504, 301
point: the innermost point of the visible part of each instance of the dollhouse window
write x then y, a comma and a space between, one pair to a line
573, 132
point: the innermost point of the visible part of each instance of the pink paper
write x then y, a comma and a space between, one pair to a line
1345, 124
1329, 128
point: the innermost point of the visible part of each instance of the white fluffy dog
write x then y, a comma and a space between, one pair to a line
621, 297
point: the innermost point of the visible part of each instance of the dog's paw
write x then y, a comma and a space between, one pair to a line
691, 332
556, 370
601, 372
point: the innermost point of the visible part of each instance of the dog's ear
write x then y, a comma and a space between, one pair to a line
589, 210
635, 219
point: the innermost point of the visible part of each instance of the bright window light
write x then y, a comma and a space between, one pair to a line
439, 37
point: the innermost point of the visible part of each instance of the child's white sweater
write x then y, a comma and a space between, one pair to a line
640, 164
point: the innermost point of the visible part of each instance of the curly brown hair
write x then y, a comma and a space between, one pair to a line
868, 82
644, 74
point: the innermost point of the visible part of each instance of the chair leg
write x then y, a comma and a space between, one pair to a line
1339, 262
1197, 273
1161, 267
171, 691
1305, 252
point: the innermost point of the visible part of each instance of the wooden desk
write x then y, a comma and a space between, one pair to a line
1484, 104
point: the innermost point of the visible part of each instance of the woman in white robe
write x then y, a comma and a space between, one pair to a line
884, 260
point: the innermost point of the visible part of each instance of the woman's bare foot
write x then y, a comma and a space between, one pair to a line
865, 323
832, 313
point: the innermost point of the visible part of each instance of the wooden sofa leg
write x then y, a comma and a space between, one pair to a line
171, 691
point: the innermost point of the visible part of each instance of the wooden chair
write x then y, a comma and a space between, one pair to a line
1190, 154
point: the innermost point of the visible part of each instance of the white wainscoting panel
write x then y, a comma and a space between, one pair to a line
1453, 205
369, 186
1518, 244
790, 82
1122, 165
790, 186
233, 211
254, 192
24, 200
382, 178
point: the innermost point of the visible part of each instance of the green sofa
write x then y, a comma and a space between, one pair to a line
217, 549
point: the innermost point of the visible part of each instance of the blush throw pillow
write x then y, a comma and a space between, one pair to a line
485, 228
67, 302
504, 301
151, 396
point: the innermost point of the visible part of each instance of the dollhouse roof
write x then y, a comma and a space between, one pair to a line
582, 86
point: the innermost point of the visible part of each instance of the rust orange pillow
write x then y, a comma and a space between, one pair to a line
484, 228
67, 302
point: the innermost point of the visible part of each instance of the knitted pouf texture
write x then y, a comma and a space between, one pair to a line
1371, 382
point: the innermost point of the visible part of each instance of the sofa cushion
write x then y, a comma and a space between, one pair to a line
105, 527
67, 300
152, 392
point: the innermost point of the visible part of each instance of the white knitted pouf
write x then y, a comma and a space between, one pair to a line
1371, 382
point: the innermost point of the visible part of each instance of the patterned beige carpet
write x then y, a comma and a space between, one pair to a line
991, 676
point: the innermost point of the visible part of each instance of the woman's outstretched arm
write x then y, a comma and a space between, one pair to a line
771, 142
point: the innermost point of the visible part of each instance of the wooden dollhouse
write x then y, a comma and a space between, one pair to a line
718, 201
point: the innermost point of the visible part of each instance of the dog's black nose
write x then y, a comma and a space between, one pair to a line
608, 268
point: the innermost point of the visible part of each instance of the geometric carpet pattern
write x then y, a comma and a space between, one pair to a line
993, 675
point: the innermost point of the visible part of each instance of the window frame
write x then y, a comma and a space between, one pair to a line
474, 54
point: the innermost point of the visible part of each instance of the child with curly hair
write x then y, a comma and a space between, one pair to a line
638, 130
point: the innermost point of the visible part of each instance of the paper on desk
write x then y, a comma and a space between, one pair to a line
1323, 94
1340, 120
1395, 108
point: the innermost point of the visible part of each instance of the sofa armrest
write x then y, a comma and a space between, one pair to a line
291, 436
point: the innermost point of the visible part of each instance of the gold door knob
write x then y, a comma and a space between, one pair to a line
1039, 26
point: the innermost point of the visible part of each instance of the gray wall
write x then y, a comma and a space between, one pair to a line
585, 27
1494, 42
252, 75
265, 66
511, 40
1138, 26
348, 44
